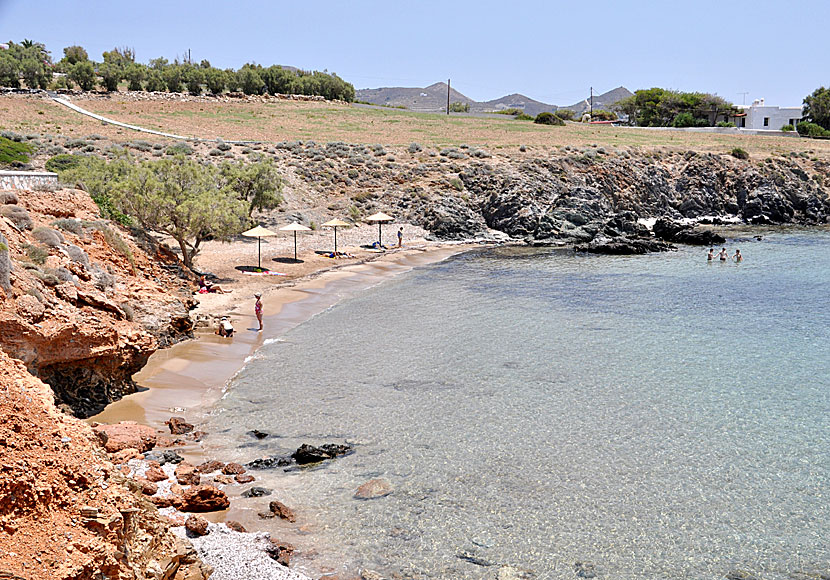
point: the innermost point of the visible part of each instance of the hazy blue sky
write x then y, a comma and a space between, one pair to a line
548, 50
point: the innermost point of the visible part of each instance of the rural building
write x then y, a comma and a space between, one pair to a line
762, 117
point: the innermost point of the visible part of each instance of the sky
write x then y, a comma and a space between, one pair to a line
551, 51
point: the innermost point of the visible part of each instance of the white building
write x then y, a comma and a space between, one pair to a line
759, 116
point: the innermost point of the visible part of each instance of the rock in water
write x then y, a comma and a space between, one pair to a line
282, 511
210, 466
233, 469
178, 426
256, 492
585, 570
373, 489
310, 454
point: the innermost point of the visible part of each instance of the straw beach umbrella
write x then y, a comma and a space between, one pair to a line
259, 232
295, 227
336, 223
380, 218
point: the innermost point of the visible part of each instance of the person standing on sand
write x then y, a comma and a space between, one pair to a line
258, 309
400, 237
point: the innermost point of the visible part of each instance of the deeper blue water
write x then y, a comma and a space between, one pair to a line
654, 416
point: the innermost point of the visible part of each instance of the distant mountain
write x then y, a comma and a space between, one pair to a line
434, 99
429, 99
603, 101
514, 101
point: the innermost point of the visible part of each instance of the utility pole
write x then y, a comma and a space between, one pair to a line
448, 96
592, 103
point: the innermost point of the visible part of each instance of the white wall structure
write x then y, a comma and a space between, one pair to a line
27, 179
761, 117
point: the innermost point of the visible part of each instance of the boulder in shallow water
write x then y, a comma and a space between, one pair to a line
210, 466
178, 426
186, 474
373, 489
282, 511
163, 457
233, 469
310, 454
256, 492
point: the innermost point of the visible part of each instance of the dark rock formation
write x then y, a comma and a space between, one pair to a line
672, 231
310, 454
178, 426
256, 492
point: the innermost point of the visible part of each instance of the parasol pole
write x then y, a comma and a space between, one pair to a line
295, 245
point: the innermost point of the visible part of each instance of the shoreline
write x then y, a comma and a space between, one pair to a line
190, 376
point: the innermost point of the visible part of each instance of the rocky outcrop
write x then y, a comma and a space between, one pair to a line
65, 511
583, 199
85, 306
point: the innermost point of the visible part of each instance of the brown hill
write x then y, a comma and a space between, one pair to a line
603, 101
428, 99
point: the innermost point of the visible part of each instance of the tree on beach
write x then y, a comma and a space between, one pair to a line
817, 107
183, 199
258, 184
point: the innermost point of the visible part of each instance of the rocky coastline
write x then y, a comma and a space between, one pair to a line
86, 302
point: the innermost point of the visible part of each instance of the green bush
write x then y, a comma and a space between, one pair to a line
459, 107
725, 124
456, 184
807, 129
37, 254
686, 119
512, 111
13, 153
546, 118
739, 153
565, 114
523, 117
602, 115
788, 128
63, 162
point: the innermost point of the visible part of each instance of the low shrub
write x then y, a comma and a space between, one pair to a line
179, 149
46, 278
565, 114
545, 118
48, 236
102, 279
726, 124
459, 107
5, 264
602, 115
511, 111
76, 254
37, 254
788, 128
64, 162
18, 216
523, 117
457, 184
13, 153
222, 146
739, 153
8, 198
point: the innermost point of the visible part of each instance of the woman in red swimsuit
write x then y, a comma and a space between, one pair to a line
258, 309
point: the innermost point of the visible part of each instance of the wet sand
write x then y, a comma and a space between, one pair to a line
188, 378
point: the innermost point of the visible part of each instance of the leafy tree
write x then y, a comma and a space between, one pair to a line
215, 80
155, 82
459, 107
565, 114
9, 69
183, 199
75, 54
135, 75
158, 64
817, 107
259, 184
111, 75
658, 107
249, 80
173, 78
83, 74
193, 78
205, 64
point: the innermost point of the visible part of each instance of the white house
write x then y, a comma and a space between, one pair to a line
759, 116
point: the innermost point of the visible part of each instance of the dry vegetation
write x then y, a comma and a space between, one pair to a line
323, 122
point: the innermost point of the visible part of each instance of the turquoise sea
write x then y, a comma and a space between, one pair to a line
646, 417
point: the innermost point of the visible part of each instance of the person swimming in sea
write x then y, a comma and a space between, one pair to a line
738, 257
711, 255
723, 255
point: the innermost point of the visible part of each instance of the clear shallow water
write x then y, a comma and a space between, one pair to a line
656, 416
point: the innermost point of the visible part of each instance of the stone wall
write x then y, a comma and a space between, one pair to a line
28, 179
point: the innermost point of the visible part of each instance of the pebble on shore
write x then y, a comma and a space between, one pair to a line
234, 555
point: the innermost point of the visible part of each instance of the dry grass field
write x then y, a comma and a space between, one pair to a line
324, 122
